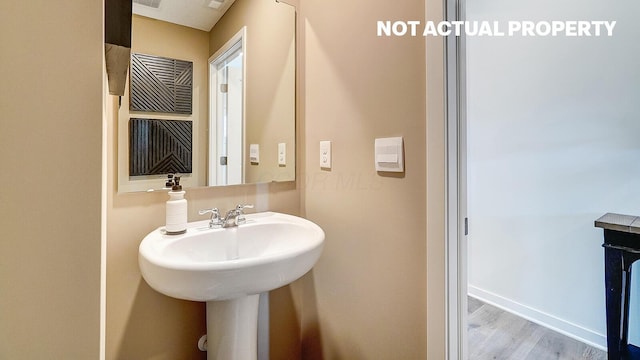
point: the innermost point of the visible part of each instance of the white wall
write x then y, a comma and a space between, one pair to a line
554, 142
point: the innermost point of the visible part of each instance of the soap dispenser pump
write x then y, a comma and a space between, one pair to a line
176, 214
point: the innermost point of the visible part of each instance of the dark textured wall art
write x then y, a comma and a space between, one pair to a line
160, 84
160, 147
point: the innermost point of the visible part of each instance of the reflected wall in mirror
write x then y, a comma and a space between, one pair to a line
267, 89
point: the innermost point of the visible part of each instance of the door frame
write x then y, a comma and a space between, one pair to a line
456, 221
445, 187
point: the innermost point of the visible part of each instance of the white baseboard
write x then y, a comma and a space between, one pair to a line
554, 323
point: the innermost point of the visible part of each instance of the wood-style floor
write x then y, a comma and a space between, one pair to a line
497, 334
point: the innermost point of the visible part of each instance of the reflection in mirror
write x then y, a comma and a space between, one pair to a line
256, 109
226, 73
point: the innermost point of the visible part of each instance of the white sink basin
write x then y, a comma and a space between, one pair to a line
269, 251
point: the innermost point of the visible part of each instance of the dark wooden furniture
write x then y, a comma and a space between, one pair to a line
621, 249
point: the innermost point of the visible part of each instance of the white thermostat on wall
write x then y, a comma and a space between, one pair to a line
389, 154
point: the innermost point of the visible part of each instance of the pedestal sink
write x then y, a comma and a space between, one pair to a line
228, 269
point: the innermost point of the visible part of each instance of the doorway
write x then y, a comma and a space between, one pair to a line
226, 112
551, 125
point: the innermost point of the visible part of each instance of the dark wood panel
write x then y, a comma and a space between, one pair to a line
160, 84
160, 147
117, 22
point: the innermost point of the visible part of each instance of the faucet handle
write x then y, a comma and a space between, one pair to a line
241, 207
240, 219
214, 212
215, 215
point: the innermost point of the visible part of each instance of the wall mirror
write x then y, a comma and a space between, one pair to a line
237, 126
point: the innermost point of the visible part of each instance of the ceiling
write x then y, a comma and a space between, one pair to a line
192, 13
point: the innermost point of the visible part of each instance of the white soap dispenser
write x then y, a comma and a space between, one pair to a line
176, 215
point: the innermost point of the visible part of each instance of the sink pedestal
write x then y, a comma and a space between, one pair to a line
232, 329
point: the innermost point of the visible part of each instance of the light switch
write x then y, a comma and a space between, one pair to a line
282, 154
389, 154
254, 153
325, 154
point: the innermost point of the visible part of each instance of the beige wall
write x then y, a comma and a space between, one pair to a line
270, 81
164, 39
366, 297
50, 156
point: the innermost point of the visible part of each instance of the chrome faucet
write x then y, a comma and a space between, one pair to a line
233, 217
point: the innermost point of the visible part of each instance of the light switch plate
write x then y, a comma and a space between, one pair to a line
282, 154
389, 156
325, 154
254, 153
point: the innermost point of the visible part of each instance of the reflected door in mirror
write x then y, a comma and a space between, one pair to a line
227, 115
